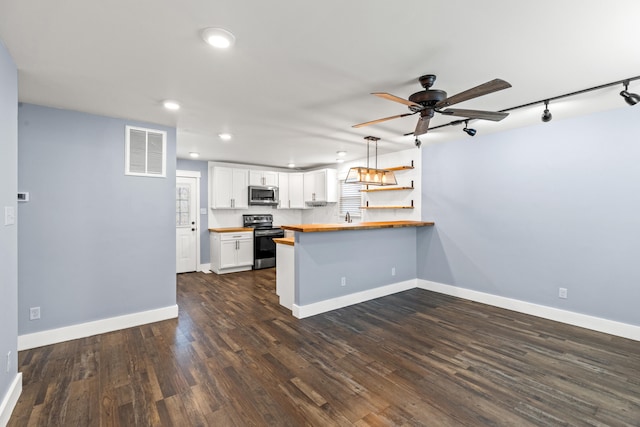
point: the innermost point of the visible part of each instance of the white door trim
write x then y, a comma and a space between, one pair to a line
197, 176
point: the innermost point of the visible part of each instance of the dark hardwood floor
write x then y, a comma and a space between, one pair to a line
236, 358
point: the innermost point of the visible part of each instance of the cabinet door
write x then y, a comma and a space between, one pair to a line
331, 185
228, 253
320, 185
255, 178
240, 189
283, 191
309, 186
221, 185
270, 178
296, 190
244, 252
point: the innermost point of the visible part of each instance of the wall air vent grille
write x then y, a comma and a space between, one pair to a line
145, 152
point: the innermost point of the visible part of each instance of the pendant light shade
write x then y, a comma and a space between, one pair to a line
371, 176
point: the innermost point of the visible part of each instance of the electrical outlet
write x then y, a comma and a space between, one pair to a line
393, 271
343, 281
8, 361
562, 293
34, 313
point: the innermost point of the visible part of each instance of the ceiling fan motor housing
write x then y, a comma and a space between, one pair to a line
428, 98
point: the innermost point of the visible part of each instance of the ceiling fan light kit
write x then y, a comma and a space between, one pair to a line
371, 176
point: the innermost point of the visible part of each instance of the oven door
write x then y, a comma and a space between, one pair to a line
264, 248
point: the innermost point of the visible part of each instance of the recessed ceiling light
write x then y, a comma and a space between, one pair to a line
341, 153
194, 154
225, 136
171, 105
291, 165
218, 37
339, 160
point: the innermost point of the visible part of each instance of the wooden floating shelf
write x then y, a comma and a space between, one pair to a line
386, 207
385, 189
399, 168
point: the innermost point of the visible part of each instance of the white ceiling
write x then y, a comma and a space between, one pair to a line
301, 72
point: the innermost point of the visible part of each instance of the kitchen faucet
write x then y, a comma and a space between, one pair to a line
347, 217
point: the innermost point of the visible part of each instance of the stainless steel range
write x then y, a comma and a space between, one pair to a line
264, 249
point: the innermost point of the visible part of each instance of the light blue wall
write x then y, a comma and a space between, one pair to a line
93, 243
8, 234
202, 167
524, 212
364, 257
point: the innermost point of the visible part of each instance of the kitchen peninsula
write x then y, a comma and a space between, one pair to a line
328, 266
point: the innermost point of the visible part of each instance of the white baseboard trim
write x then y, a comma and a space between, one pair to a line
308, 310
205, 268
10, 399
53, 336
569, 317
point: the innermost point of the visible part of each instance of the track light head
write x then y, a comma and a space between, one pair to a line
630, 98
467, 130
546, 115
418, 142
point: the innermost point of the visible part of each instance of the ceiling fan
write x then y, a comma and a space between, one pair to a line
427, 102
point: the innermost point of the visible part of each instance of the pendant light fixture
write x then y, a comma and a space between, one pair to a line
371, 176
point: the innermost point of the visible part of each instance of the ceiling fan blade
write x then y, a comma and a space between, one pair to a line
373, 122
474, 114
396, 99
483, 89
422, 127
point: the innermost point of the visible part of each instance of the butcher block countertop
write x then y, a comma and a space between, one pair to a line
284, 240
230, 229
314, 228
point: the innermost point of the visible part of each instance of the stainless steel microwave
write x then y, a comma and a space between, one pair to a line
263, 196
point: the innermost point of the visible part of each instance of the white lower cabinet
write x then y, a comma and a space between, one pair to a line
231, 252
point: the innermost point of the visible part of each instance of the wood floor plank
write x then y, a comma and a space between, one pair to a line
235, 357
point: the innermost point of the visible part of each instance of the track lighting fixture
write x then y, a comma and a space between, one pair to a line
469, 131
546, 116
630, 98
418, 142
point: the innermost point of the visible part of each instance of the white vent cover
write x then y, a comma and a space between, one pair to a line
145, 152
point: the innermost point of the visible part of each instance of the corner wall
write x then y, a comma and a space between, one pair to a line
94, 244
522, 213
10, 380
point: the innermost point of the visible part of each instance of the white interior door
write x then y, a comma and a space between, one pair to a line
186, 224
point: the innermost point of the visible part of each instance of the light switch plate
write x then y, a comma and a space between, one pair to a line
9, 215
203, 211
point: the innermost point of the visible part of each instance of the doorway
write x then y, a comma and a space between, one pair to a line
187, 221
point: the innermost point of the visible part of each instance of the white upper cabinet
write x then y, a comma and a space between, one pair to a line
229, 188
263, 178
291, 187
321, 186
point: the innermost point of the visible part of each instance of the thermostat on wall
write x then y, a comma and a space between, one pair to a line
23, 196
